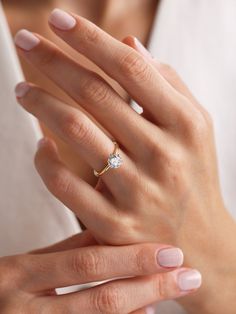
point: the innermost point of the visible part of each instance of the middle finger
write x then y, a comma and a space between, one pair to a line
88, 89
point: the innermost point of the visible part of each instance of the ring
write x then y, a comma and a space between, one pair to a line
114, 161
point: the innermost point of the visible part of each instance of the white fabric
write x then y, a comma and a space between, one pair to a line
198, 38
30, 216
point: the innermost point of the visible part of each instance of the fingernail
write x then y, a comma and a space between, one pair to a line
62, 20
170, 257
140, 47
150, 310
42, 142
21, 89
189, 280
26, 40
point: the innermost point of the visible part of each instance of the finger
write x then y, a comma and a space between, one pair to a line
165, 70
87, 88
88, 204
141, 80
95, 263
79, 131
127, 295
76, 241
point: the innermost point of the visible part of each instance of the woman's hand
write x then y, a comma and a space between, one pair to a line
28, 282
167, 189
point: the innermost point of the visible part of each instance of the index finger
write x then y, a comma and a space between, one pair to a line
95, 263
139, 77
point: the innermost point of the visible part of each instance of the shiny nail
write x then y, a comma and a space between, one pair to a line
62, 20
170, 257
189, 280
26, 40
42, 142
150, 310
21, 89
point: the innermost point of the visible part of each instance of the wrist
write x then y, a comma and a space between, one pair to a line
214, 255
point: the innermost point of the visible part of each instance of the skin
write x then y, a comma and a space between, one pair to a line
28, 281
107, 14
168, 183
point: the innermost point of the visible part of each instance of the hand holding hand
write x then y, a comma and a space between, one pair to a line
28, 281
167, 189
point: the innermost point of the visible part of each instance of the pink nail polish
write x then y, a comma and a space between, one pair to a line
140, 47
150, 310
21, 89
62, 20
189, 280
42, 142
170, 257
26, 40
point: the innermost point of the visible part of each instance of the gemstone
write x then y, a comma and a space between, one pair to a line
114, 161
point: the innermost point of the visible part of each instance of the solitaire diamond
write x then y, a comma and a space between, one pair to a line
114, 161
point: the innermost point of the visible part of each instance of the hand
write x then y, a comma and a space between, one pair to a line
167, 189
28, 281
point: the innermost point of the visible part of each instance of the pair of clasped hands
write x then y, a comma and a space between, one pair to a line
141, 218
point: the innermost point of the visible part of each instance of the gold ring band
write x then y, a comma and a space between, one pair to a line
114, 161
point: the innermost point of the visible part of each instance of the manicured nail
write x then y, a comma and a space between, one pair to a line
140, 47
26, 40
42, 142
21, 89
62, 20
170, 257
150, 310
189, 280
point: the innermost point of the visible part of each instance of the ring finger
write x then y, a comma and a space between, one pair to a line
78, 130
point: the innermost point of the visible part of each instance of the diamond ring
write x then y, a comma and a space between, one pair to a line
114, 161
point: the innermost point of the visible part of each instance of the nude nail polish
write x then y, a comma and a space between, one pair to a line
150, 310
43, 141
189, 280
21, 89
26, 40
62, 20
170, 257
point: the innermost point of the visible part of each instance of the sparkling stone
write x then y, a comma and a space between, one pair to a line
114, 161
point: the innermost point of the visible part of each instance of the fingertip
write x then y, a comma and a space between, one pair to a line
170, 257
48, 144
22, 89
129, 40
189, 280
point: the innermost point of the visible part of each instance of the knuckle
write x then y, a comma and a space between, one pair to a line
107, 299
87, 265
133, 65
58, 182
12, 272
95, 89
75, 128
198, 127
162, 288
